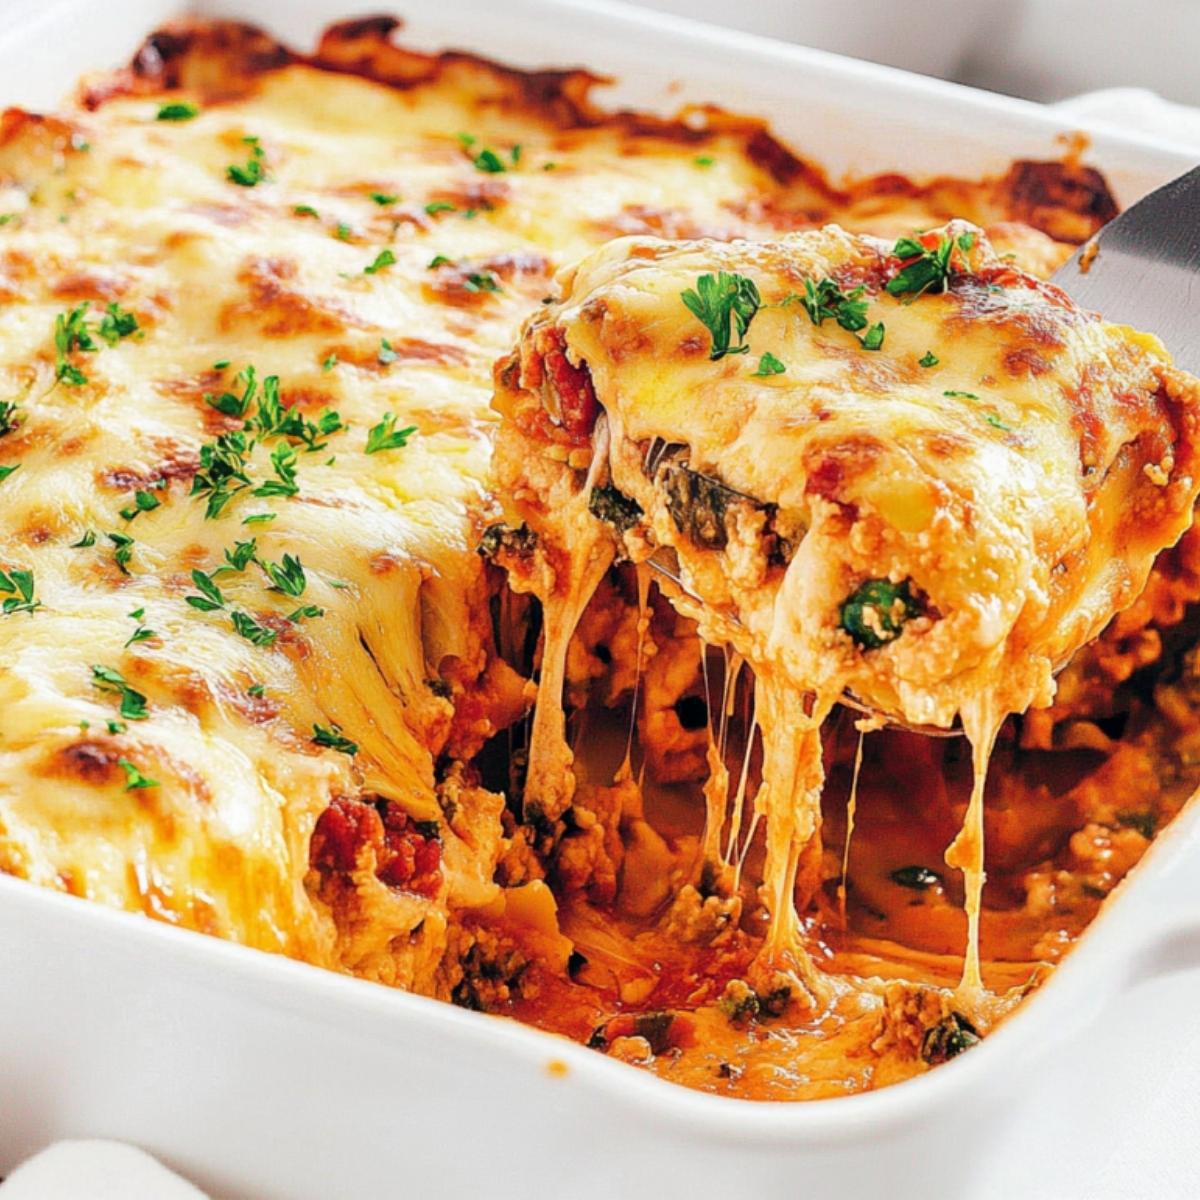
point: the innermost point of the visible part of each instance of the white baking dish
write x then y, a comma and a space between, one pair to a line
260, 1077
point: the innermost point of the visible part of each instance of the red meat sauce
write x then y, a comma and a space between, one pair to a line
405, 857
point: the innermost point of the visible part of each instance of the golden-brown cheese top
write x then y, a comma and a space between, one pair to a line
1019, 460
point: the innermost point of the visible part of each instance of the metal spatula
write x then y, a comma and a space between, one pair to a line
1143, 269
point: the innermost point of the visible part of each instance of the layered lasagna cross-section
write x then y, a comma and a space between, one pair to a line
906, 475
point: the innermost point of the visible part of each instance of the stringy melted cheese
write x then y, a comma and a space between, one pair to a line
103, 204
1020, 487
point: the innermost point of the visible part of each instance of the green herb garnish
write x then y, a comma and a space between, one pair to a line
928, 359
122, 550
179, 111
17, 586
719, 300
385, 258
331, 737
134, 779
385, 435
927, 268
253, 171
133, 703
770, 365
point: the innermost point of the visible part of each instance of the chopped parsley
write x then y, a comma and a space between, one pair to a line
283, 462
928, 359
928, 268
383, 199
385, 435
181, 110
440, 260
481, 281
211, 597
251, 630
71, 334
117, 323
233, 405
88, 539
240, 557
256, 691
331, 737
286, 576
8, 417
142, 633
342, 232
259, 518
223, 471
386, 354
770, 365
718, 300
704, 160
826, 299
115, 727
17, 587
876, 611
134, 779
961, 395
5, 472
385, 258
305, 210
437, 206
253, 171
994, 421
143, 501
133, 703
122, 550
330, 362
309, 610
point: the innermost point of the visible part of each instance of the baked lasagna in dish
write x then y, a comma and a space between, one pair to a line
462, 537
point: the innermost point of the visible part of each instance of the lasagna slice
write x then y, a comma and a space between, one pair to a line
908, 475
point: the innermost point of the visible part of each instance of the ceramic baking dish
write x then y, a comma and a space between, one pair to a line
261, 1077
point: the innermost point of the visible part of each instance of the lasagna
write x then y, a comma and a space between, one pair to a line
298, 646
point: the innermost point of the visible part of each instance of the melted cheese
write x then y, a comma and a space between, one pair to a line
361, 152
1017, 488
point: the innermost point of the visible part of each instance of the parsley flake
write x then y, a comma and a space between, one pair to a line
134, 779
383, 199
122, 550
251, 630
385, 258
5, 472
385, 435
179, 111
928, 359
437, 206
17, 586
716, 301
386, 354
331, 737
770, 365
253, 171
926, 268
133, 702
